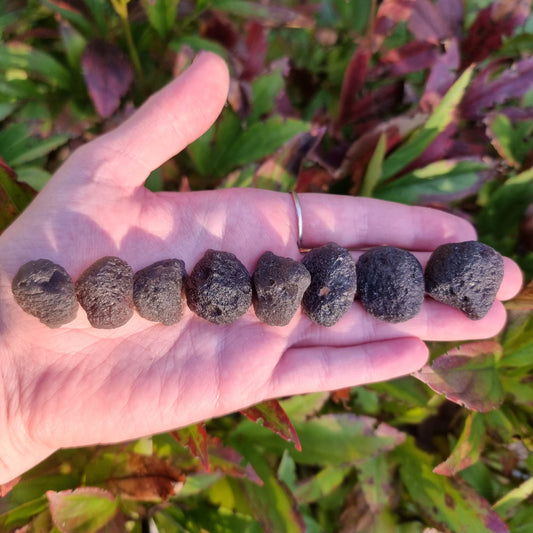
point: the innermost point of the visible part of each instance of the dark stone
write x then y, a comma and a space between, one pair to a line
465, 275
279, 285
390, 284
219, 288
158, 291
46, 291
105, 291
333, 284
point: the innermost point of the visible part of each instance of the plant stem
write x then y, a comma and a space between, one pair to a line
134, 56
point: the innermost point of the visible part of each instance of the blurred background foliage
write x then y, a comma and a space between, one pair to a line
418, 101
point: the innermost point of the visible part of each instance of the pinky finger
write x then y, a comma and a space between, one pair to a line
325, 368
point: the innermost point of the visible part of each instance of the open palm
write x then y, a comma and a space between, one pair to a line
77, 385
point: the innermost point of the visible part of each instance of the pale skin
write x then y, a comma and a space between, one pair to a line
77, 386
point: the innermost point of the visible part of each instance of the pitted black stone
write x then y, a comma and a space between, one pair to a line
390, 284
159, 292
219, 288
105, 291
333, 284
279, 285
45, 290
465, 275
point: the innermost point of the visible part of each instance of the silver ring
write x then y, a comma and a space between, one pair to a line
300, 222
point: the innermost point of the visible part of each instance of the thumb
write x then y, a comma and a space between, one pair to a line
167, 122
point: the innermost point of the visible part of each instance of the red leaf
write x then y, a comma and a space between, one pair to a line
287, 161
228, 461
441, 76
437, 150
195, 438
256, 49
364, 146
411, 57
353, 81
313, 179
275, 419
75, 6
375, 106
218, 27
467, 376
452, 12
146, 477
390, 13
108, 75
514, 82
490, 26
427, 22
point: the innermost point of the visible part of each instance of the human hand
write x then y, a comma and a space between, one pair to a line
77, 385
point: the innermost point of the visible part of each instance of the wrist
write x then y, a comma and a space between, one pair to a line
18, 451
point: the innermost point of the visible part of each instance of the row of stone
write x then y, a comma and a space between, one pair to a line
390, 285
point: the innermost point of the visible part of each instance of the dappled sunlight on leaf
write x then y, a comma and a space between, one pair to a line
83, 510
467, 375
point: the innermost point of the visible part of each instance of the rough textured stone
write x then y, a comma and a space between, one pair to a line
105, 291
390, 284
219, 288
333, 284
279, 285
465, 275
45, 290
158, 291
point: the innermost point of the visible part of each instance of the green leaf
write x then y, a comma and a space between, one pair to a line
449, 503
265, 88
242, 8
258, 141
272, 503
83, 510
35, 177
35, 62
302, 406
198, 44
468, 448
274, 418
198, 484
500, 130
375, 477
374, 168
441, 117
439, 179
37, 148
161, 15
501, 216
467, 375
356, 439
321, 484
514, 497
76, 19
202, 519
19, 515
200, 151
6, 109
